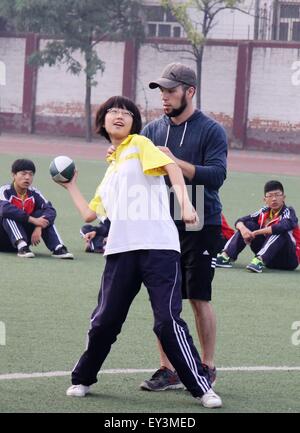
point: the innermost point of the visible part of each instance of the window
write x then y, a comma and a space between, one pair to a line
176, 32
296, 31
152, 30
164, 30
162, 23
289, 21
289, 11
283, 31
170, 17
154, 13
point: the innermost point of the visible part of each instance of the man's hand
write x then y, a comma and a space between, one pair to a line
110, 150
36, 236
39, 222
167, 152
188, 170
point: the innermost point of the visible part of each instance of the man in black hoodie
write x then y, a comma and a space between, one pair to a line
198, 144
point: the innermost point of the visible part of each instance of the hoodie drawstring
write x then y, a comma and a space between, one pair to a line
182, 138
167, 137
183, 135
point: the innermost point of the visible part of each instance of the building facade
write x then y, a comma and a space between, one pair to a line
260, 20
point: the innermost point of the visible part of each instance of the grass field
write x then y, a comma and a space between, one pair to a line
45, 305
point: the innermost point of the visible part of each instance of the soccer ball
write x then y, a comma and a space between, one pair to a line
62, 169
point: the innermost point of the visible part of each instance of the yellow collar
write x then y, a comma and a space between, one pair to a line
275, 214
114, 155
21, 196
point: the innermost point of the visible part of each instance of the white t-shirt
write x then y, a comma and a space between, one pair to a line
134, 196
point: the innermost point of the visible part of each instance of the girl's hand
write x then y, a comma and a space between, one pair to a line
89, 236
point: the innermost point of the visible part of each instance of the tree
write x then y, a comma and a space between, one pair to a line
197, 29
76, 25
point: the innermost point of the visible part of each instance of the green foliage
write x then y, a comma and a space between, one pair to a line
208, 10
76, 26
198, 24
79, 25
180, 11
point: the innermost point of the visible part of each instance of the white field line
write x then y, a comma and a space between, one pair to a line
12, 376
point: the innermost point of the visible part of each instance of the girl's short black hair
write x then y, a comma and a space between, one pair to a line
273, 185
118, 102
22, 165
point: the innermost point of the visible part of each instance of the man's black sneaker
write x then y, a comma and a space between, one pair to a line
62, 253
162, 380
25, 252
211, 373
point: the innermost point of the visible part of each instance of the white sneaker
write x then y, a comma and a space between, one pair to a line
210, 399
78, 391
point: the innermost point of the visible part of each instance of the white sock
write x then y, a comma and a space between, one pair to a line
21, 244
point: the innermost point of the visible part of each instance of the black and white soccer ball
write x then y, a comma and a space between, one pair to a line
62, 169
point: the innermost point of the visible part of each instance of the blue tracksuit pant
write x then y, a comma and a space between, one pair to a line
276, 251
12, 231
123, 275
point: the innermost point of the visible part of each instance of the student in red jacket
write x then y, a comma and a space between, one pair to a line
272, 233
26, 217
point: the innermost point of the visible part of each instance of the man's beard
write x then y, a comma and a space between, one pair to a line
177, 111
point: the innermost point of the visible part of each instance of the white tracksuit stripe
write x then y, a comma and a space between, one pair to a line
15, 230
270, 241
57, 234
201, 380
227, 243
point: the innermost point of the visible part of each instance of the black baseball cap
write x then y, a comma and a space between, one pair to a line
173, 75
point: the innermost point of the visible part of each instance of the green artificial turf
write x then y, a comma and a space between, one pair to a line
46, 304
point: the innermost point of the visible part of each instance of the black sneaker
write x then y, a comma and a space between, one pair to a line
25, 252
162, 380
223, 261
211, 373
62, 253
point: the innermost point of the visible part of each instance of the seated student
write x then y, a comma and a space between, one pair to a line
26, 216
95, 236
272, 233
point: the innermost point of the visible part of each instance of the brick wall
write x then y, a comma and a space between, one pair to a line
60, 96
219, 75
274, 103
252, 88
12, 54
